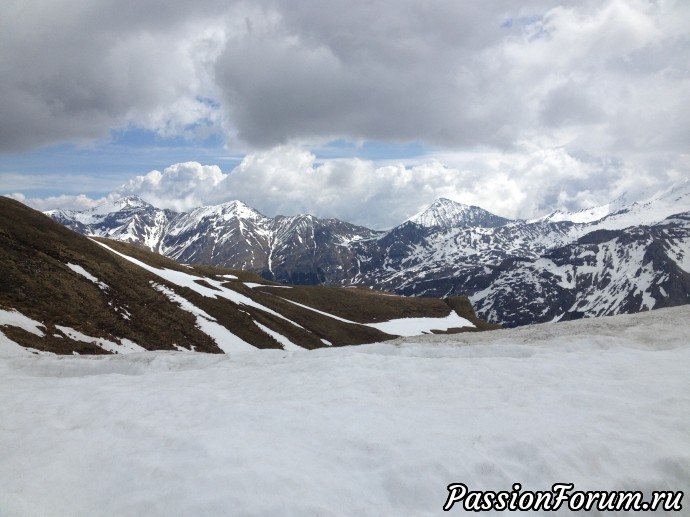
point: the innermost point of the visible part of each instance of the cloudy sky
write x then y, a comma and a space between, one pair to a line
366, 110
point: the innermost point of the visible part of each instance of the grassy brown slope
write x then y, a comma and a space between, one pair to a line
370, 306
361, 305
317, 325
34, 251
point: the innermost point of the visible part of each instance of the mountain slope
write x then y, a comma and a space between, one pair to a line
299, 249
602, 274
65, 293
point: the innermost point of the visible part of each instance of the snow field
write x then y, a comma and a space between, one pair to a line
375, 430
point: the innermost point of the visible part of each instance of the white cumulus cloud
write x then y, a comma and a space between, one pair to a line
289, 180
180, 187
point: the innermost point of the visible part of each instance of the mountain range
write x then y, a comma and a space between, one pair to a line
616, 258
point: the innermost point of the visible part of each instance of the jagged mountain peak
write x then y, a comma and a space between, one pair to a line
111, 209
446, 213
300, 218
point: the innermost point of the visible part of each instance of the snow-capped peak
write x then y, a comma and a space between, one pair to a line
230, 210
98, 213
446, 213
131, 201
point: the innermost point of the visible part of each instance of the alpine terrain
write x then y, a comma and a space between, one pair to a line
65, 293
617, 258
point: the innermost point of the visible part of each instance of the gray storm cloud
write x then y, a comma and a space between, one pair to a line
73, 70
442, 73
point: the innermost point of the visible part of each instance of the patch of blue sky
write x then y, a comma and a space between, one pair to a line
100, 167
374, 151
97, 168
532, 27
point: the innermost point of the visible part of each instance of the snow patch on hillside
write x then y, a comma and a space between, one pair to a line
416, 326
9, 347
254, 285
285, 342
125, 346
14, 318
323, 313
83, 272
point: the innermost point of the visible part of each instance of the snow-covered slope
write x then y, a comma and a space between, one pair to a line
618, 214
602, 274
374, 430
582, 216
